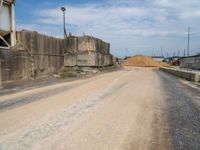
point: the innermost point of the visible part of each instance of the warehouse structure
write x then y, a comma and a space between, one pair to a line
191, 62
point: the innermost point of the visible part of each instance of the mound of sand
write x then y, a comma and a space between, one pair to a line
141, 61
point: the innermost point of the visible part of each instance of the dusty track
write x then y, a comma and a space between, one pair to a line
134, 108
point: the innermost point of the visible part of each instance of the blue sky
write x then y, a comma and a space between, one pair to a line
140, 26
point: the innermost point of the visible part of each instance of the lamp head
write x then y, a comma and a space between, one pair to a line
63, 9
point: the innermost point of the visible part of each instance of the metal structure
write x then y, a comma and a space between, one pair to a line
188, 44
63, 9
7, 24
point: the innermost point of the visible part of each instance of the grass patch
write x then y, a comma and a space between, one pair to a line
69, 72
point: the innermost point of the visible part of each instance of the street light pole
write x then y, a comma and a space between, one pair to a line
64, 27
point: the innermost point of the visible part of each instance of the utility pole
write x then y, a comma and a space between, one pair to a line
63, 9
188, 45
161, 52
184, 52
126, 51
178, 53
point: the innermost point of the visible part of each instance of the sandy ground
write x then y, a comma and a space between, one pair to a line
130, 109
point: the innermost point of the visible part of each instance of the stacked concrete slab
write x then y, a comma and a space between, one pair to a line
91, 52
70, 44
44, 52
37, 55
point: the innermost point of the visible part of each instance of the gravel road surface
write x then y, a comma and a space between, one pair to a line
130, 109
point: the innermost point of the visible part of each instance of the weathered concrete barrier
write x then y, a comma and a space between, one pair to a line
92, 44
88, 59
188, 75
37, 55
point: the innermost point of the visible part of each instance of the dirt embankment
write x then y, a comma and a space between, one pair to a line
143, 61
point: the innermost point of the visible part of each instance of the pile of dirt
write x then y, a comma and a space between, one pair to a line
141, 61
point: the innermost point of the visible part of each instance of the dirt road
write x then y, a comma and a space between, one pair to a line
130, 109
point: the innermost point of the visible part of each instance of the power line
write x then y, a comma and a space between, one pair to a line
184, 52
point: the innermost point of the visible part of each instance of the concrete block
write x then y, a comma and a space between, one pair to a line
108, 60
71, 44
197, 77
87, 44
90, 59
105, 48
70, 60
188, 75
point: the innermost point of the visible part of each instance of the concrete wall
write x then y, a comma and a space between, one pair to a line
34, 56
190, 62
15, 65
70, 44
45, 52
91, 52
70, 60
37, 55
188, 75
92, 44
88, 59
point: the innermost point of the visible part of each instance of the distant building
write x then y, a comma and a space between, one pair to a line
158, 58
191, 62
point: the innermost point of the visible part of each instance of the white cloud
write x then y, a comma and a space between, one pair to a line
40, 28
123, 22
